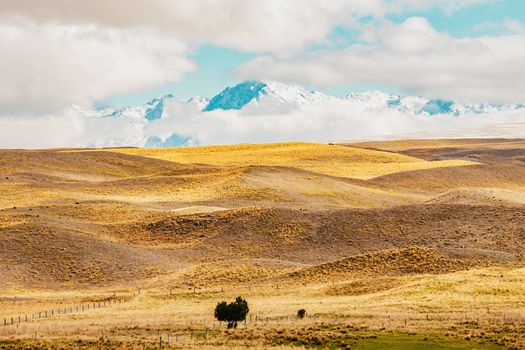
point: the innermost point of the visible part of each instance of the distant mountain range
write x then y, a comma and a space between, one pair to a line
269, 97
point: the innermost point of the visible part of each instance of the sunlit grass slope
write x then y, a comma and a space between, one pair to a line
332, 160
400, 145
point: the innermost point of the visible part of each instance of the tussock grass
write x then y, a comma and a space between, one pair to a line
287, 226
399, 145
332, 160
483, 306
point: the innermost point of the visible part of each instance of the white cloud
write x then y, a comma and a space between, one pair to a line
254, 25
257, 25
47, 67
416, 58
446, 5
46, 131
514, 26
507, 26
329, 121
56, 53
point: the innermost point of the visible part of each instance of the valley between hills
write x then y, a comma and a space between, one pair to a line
404, 244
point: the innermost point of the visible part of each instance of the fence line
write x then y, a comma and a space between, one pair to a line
65, 310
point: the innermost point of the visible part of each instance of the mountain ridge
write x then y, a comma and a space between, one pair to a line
172, 122
254, 92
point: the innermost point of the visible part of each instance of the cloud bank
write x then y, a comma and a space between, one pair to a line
59, 57
332, 121
45, 68
416, 58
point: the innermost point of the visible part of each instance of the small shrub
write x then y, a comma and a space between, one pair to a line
301, 313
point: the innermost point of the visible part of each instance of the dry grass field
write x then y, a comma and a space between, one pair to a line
386, 245
334, 160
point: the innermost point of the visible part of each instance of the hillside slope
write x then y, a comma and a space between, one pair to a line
121, 217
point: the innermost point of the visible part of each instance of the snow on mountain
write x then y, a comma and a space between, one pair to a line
373, 97
155, 107
255, 92
282, 93
238, 96
198, 102
167, 122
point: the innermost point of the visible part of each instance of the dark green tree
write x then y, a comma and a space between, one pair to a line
233, 312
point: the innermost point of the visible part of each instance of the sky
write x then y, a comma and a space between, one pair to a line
217, 64
59, 56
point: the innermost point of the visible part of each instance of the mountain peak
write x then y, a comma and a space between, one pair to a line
242, 94
198, 102
237, 96
155, 107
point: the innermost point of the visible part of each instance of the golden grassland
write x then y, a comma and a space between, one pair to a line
334, 160
421, 249
399, 145
481, 308
24, 195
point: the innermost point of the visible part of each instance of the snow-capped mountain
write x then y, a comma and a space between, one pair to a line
255, 92
167, 121
198, 102
251, 94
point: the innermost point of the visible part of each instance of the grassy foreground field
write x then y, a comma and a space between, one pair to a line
476, 309
386, 245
